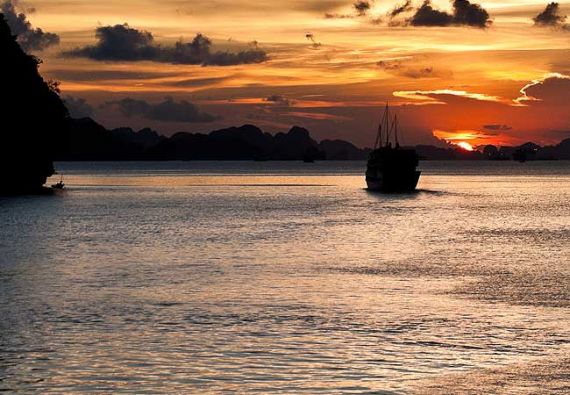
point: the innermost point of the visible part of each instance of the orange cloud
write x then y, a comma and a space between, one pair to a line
547, 79
428, 95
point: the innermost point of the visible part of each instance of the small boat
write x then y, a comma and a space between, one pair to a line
391, 168
59, 184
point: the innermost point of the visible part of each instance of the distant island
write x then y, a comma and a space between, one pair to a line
86, 140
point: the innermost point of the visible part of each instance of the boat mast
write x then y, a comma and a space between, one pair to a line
378, 141
387, 120
396, 130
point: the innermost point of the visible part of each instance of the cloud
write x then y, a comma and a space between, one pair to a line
390, 65
552, 88
120, 42
124, 43
401, 8
423, 72
317, 116
550, 17
78, 107
200, 82
166, 111
198, 52
464, 14
362, 7
113, 74
426, 15
278, 99
402, 67
29, 38
497, 127
334, 15
546, 108
434, 96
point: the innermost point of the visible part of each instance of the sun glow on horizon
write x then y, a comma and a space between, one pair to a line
465, 145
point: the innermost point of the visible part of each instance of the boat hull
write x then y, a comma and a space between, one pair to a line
393, 181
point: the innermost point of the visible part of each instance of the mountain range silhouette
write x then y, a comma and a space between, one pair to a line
86, 140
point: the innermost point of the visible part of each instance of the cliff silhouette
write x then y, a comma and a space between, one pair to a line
87, 140
33, 118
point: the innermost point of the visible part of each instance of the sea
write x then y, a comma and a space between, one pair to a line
288, 278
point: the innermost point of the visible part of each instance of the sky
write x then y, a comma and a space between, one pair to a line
489, 72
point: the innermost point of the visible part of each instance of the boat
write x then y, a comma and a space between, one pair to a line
391, 168
59, 184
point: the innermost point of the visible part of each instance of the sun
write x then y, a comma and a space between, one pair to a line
465, 145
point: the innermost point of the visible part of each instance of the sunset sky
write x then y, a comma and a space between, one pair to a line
497, 71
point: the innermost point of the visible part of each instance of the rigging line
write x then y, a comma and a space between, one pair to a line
378, 141
387, 119
396, 129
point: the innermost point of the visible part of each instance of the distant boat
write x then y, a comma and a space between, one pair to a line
391, 168
59, 184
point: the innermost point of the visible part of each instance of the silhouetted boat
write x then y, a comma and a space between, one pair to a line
391, 168
59, 185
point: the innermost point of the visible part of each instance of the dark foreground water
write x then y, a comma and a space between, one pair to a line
287, 278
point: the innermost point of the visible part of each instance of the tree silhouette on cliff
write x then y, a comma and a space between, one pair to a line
32, 117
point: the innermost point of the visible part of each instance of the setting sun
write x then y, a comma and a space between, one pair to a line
465, 145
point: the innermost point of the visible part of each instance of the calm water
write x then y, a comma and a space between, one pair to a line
284, 277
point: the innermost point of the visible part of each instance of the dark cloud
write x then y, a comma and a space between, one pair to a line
402, 67
94, 75
401, 8
198, 52
554, 89
470, 14
550, 16
426, 15
362, 7
199, 82
123, 43
423, 72
389, 65
334, 15
464, 14
278, 99
166, 111
497, 127
120, 42
29, 38
78, 107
